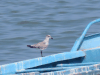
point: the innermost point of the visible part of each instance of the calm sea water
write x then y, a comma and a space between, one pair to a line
25, 22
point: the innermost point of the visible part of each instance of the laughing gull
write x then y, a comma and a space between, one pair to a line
41, 45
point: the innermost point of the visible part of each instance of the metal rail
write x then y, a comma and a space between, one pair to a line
79, 40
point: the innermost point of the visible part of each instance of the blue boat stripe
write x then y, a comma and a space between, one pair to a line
22, 65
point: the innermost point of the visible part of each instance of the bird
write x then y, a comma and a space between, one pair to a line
41, 45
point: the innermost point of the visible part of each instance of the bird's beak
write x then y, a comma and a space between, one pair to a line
51, 38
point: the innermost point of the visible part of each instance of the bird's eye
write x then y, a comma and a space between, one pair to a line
48, 36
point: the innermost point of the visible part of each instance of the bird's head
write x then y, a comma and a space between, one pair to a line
49, 36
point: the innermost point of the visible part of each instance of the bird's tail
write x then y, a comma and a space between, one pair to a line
31, 46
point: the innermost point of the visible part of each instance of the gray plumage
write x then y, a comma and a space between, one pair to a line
41, 45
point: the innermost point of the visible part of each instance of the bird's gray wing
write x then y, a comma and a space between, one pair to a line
40, 45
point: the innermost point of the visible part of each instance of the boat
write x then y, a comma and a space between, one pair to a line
83, 59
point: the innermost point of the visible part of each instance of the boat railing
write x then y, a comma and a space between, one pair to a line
79, 40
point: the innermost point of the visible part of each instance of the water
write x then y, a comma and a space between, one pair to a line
29, 21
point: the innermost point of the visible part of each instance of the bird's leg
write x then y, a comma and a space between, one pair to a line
41, 54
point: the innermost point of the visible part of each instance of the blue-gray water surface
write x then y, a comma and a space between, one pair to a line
25, 22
